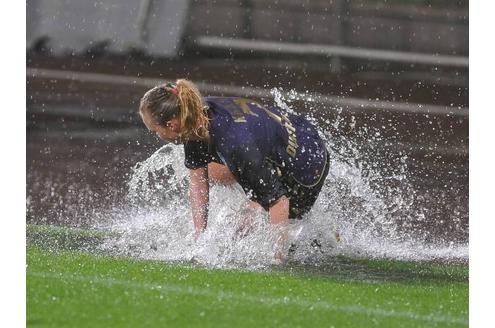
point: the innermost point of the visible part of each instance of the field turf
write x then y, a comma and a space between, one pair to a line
70, 285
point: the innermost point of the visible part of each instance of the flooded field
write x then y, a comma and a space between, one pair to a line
398, 184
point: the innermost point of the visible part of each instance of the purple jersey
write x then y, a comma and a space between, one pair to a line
260, 146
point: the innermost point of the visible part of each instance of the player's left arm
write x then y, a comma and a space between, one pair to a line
279, 216
266, 188
279, 211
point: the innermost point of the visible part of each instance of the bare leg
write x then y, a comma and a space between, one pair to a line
220, 174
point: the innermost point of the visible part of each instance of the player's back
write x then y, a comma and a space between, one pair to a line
288, 141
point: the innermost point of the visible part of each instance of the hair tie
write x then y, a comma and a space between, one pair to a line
172, 88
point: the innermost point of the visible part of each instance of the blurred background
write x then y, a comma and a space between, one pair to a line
365, 49
393, 74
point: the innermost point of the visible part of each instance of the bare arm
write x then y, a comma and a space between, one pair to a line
279, 211
199, 197
279, 215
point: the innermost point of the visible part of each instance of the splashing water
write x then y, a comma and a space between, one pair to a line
160, 226
371, 210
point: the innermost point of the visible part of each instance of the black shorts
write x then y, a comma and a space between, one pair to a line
302, 198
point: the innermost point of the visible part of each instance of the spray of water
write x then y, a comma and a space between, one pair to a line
360, 212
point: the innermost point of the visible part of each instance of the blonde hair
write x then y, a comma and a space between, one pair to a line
181, 100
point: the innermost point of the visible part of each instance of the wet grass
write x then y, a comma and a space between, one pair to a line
69, 286
57, 237
382, 270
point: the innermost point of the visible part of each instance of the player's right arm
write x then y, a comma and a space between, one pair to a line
199, 198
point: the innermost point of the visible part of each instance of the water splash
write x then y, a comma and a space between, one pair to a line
371, 208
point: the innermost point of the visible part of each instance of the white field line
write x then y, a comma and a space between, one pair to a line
168, 288
348, 103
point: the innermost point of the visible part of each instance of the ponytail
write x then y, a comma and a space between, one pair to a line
193, 115
183, 101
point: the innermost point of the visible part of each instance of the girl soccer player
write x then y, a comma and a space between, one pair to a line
279, 160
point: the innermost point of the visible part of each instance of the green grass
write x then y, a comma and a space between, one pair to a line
67, 287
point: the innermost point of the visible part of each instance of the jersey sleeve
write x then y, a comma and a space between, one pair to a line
196, 154
258, 177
